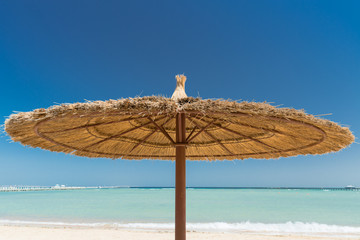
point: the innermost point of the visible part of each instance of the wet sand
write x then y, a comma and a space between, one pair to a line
71, 233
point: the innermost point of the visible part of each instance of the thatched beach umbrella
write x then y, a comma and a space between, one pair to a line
177, 129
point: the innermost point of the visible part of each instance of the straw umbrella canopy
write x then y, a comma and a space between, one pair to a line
177, 128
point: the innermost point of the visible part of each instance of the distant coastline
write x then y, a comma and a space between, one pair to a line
39, 188
16, 188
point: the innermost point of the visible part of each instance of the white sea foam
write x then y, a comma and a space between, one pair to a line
288, 227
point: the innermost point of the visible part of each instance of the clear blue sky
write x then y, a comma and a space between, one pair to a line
302, 54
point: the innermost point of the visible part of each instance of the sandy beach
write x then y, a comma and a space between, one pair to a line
70, 233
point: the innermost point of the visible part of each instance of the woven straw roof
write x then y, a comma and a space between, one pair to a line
144, 128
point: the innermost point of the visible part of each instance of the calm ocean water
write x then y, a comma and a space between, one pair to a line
274, 210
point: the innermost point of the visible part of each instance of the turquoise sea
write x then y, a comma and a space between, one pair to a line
209, 209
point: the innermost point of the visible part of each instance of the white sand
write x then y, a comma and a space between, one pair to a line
69, 233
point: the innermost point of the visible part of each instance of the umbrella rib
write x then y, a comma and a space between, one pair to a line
95, 124
242, 135
188, 137
144, 139
162, 130
212, 136
265, 129
201, 129
219, 142
120, 134
269, 117
150, 134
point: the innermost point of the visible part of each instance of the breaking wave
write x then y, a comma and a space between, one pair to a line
288, 227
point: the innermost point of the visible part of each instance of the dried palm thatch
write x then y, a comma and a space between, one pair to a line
145, 128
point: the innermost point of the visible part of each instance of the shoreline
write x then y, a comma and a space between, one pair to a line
16, 229
20, 232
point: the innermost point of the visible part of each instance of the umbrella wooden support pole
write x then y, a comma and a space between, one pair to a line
180, 181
